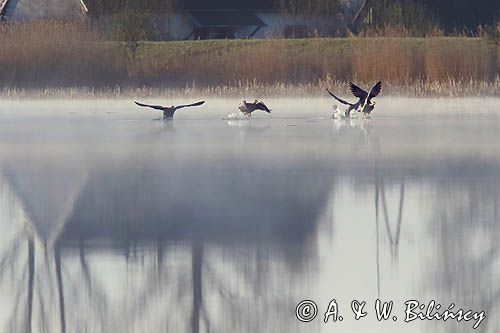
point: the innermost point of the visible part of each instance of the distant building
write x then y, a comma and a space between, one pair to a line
247, 19
200, 19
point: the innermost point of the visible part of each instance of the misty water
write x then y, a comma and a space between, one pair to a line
112, 221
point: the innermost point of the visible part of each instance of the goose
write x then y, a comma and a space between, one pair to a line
248, 108
366, 97
168, 111
364, 103
351, 106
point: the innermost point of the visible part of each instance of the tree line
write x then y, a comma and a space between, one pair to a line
417, 16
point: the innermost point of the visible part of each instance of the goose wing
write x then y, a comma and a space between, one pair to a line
357, 91
375, 90
188, 105
156, 107
262, 106
339, 99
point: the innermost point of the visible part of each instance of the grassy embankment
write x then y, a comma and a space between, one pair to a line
51, 56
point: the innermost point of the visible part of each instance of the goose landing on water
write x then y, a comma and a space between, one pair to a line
248, 108
340, 114
350, 106
168, 111
366, 97
364, 103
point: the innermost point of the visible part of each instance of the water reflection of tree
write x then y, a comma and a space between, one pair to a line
393, 235
468, 246
151, 221
31, 263
381, 200
392, 230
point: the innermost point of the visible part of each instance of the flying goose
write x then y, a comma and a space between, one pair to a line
168, 111
366, 98
248, 108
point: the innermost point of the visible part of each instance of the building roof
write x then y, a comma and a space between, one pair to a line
225, 19
100, 7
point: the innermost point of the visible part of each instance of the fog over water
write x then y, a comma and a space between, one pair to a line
113, 221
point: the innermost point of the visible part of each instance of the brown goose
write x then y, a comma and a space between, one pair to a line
368, 105
364, 103
351, 106
248, 108
168, 111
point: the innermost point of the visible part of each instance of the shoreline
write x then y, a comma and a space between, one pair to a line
72, 60
317, 90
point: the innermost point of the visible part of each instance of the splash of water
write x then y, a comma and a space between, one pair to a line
235, 116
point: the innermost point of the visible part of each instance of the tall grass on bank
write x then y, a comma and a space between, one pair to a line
44, 53
253, 90
49, 55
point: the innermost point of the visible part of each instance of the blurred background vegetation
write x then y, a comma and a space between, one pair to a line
308, 7
431, 17
75, 54
451, 15
135, 19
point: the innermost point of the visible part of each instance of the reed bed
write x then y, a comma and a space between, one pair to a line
248, 91
62, 57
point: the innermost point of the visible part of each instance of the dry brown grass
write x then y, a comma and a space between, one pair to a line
449, 61
50, 53
398, 32
387, 59
419, 89
61, 55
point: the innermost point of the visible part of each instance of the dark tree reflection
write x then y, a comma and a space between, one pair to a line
467, 230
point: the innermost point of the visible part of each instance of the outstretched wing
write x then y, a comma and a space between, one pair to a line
375, 90
188, 105
262, 106
339, 99
357, 91
156, 107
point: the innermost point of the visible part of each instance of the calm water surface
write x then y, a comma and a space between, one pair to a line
111, 221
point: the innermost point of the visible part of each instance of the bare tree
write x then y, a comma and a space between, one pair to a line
308, 7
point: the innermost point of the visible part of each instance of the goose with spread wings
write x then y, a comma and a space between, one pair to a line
364, 103
247, 108
350, 106
168, 111
366, 97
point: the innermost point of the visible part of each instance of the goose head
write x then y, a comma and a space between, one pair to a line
242, 105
